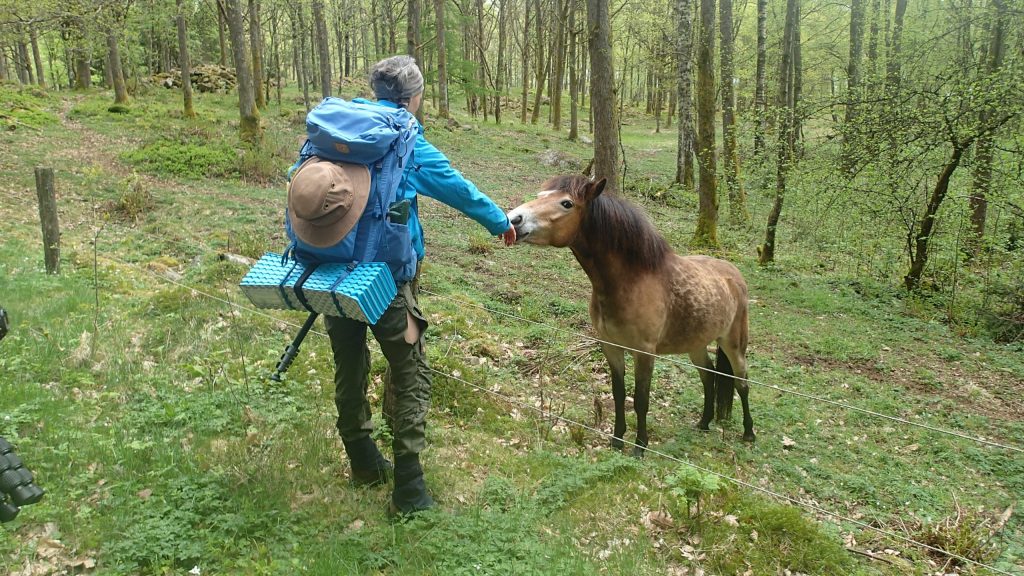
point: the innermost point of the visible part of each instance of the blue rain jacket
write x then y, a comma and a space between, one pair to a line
432, 175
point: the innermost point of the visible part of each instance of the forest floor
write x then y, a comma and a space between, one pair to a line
134, 383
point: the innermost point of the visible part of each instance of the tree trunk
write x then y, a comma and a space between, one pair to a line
873, 31
83, 61
24, 63
671, 108
574, 81
481, 54
323, 48
375, 23
304, 50
249, 116
706, 234
919, 257
364, 38
893, 55
760, 94
499, 73
541, 69
684, 86
442, 61
117, 75
467, 82
412, 32
256, 48
982, 177
34, 41
4, 74
526, 68
392, 22
221, 32
558, 77
274, 40
786, 105
737, 198
853, 82
348, 55
602, 94
798, 86
185, 63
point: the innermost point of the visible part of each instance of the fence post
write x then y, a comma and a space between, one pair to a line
48, 217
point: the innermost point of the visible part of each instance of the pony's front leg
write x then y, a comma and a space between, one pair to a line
617, 364
642, 399
703, 362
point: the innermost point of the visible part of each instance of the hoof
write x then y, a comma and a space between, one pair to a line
748, 436
638, 452
617, 443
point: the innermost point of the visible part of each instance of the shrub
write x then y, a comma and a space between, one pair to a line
24, 107
188, 159
135, 199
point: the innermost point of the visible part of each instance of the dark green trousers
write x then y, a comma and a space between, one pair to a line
409, 387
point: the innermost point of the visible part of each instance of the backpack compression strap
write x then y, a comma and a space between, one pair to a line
298, 286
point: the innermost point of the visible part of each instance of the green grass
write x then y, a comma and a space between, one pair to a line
144, 408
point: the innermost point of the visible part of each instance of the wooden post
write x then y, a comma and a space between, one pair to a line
48, 217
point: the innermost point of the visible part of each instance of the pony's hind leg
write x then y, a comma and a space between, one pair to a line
738, 360
725, 385
703, 363
617, 364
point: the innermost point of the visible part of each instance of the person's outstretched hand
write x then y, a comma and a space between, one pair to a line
509, 236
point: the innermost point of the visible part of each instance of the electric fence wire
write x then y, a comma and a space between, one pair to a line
682, 362
778, 495
775, 387
548, 414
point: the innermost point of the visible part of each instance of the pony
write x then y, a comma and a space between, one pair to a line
646, 298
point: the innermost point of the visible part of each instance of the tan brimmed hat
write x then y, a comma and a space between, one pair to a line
325, 199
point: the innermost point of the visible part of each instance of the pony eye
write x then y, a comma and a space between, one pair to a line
567, 204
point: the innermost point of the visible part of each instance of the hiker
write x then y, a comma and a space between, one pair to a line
396, 82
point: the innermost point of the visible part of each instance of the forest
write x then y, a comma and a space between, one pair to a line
861, 162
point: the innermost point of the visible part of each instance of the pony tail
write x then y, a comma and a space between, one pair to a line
724, 385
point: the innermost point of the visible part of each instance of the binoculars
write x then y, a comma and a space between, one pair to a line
17, 486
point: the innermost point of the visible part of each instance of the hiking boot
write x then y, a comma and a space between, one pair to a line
369, 467
370, 477
410, 493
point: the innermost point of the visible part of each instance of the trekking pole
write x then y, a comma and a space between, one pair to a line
293, 349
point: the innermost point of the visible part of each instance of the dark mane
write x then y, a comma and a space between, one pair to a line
615, 225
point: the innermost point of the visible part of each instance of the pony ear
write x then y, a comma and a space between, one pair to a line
594, 189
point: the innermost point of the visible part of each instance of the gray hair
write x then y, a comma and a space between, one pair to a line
397, 79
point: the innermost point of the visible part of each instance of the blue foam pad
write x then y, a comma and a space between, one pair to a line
360, 292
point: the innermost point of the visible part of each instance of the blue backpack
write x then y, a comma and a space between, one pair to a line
382, 139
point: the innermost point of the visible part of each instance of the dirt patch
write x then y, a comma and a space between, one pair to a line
978, 389
860, 367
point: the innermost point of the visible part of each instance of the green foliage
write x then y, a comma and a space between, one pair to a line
265, 163
185, 522
185, 157
135, 198
798, 543
558, 488
22, 107
689, 486
249, 242
964, 534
